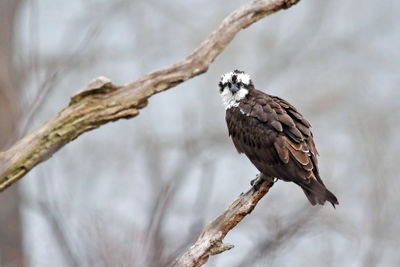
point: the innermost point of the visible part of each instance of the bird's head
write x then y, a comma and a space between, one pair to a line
233, 87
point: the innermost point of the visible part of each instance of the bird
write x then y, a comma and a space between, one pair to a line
274, 136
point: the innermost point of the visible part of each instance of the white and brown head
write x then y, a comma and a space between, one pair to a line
233, 87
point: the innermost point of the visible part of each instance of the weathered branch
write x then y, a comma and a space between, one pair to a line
102, 102
210, 240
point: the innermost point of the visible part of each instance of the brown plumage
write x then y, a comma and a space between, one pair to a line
277, 140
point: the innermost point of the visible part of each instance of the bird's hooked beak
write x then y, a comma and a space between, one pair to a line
234, 88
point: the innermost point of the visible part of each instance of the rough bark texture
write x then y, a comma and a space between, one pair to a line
210, 240
102, 101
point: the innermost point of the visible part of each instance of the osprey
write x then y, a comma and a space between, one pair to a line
273, 135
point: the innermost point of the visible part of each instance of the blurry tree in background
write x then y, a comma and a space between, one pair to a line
138, 192
11, 245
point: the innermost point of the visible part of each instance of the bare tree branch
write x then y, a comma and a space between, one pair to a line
210, 240
102, 102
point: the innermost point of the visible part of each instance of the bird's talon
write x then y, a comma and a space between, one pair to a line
256, 183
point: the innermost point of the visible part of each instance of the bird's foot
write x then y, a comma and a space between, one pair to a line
256, 183
261, 178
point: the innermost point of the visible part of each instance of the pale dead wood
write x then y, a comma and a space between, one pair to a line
102, 101
210, 240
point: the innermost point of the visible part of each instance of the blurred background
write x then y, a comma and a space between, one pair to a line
138, 192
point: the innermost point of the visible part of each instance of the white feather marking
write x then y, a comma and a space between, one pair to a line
230, 100
244, 113
226, 77
244, 78
241, 77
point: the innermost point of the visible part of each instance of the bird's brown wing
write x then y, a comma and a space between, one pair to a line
278, 141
